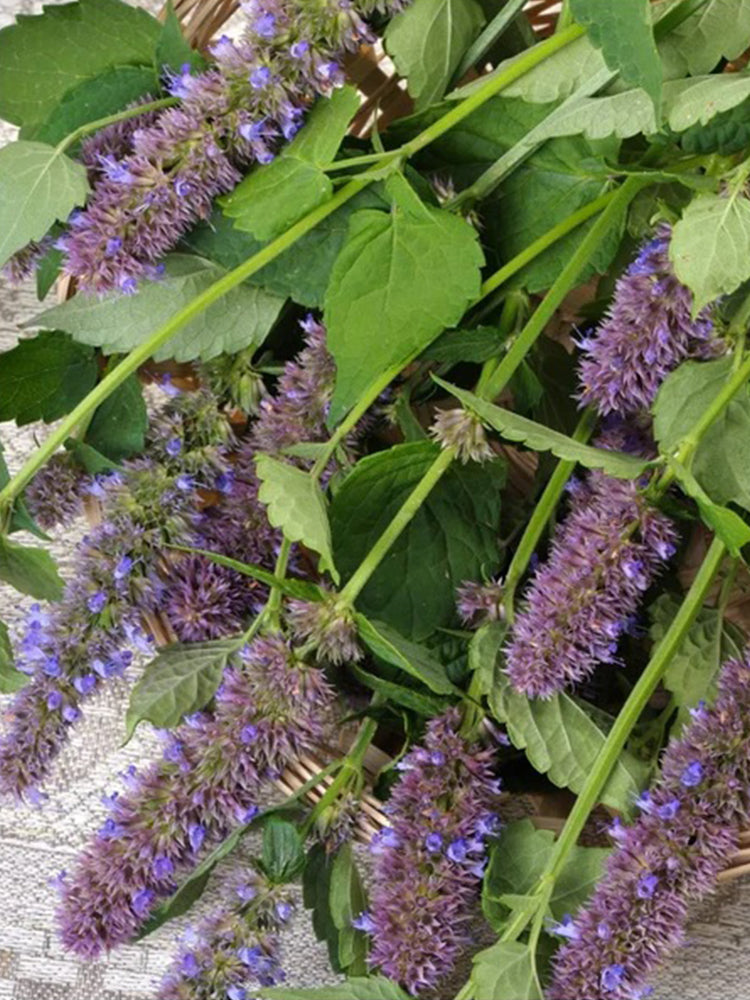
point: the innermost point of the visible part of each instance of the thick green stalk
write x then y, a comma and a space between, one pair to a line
542, 513
565, 281
493, 85
143, 352
402, 518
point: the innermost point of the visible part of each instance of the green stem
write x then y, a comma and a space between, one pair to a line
120, 116
273, 605
542, 513
565, 281
730, 388
349, 768
493, 85
143, 352
543, 243
633, 707
355, 415
481, 46
402, 518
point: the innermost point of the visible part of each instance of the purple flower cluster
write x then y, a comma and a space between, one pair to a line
269, 709
55, 496
430, 863
686, 832
229, 116
233, 948
121, 573
604, 556
330, 629
479, 603
298, 411
649, 331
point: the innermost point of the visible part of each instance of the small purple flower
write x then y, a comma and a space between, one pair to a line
692, 775
173, 447
123, 568
260, 77
434, 843
566, 928
97, 602
163, 867
249, 733
364, 922
54, 700
647, 886
189, 966
612, 977
143, 901
71, 714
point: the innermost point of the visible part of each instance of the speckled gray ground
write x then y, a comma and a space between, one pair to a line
35, 845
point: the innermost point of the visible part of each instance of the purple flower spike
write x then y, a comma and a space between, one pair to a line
235, 946
637, 914
423, 898
648, 333
180, 805
581, 599
154, 181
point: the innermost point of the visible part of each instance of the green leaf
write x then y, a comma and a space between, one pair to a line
305, 590
117, 323
283, 854
89, 458
357, 988
415, 699
373, 317
272, 198
44, 377
30, 570
541, 438
316, 895
562, 740
698, 100
43, 57
296, 504
728, 525
505, 971
119, 424
710, 245
173, 50
624, 114
181, 679
719, 28
554, 79
624, 33
452, 538
104, 95
484, 649
301, 272
721, 463
426, 42
48, 270
694, 667
478, 344
11, 680
520, 858
37, 187
20, 519
347, 900
386, 643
